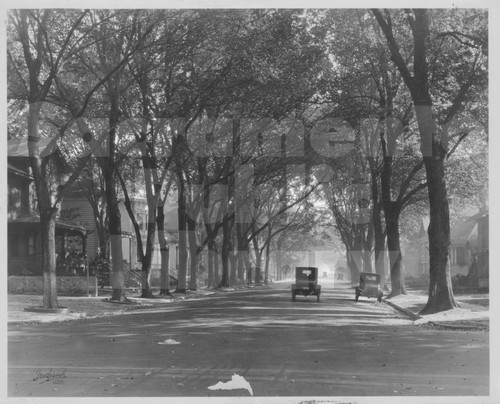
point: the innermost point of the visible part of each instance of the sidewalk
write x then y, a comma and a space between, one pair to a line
94, 307
472, 313
88, 307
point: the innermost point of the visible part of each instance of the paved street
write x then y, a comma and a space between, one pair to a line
281, 348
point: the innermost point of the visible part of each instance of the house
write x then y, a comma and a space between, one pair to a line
416, 253
479, 272
23, 230
129, 238
77, 208
468, 253
77, 238
463, 244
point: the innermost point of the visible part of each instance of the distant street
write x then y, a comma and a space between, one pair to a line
281, 348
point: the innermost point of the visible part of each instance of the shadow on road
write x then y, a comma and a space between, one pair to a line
282, 348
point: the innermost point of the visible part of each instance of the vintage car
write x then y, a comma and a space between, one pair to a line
306, 282
369, 286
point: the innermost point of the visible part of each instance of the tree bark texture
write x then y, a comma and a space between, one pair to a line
353, 267
211, 264
226, 234
378, 232
48, 227
182, 217
164, 253
440, 290
266, 264
392, 212
193, 254
395, 255
47, 212
115, 235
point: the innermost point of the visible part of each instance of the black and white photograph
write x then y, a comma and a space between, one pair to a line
255, 203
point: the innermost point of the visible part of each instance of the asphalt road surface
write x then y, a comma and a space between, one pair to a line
279, 348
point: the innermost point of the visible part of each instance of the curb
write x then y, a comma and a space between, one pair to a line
409, 313
41, 309
414, 316
458, 326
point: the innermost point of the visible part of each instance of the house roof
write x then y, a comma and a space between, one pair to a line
424, 224
171, 217
19, 147
480, 215
35, 219
463, 230
13, 169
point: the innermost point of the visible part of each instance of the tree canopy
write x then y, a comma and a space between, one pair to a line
346, 115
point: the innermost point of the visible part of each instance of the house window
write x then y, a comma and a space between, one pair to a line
460, 256
31, 245
14, 246
14, 202
59, 244
140, 221
138, 253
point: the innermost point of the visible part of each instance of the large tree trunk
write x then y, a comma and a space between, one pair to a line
115, 232
353, 266
258, 267
146, 278
48, 227
181, 281
395, 256
242, 251
258, 259
367, 246
109, 167
164, 253
440, 289
392, 211
146, 262
233, 259
47, 213
279, 274
240, 265
103, 243
248, 266
216, 266
210, 262
193, 254
367, 261
378, 232
268, 255
212, 253
226, 235
266, 264
148, 255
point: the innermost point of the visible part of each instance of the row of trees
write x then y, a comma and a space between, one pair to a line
252, 117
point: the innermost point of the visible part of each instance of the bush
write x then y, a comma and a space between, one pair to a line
101, 268
132, 280
459, 280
